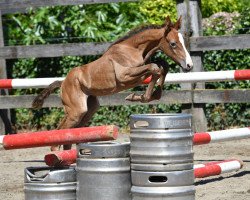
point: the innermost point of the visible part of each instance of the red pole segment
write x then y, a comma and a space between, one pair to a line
6, 84
201, 138
211, 170
242, 74
61, 158
59, 137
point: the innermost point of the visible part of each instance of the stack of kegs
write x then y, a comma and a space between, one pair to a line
157, 164
161, 152
103, 171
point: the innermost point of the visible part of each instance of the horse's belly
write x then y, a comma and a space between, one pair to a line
103, 86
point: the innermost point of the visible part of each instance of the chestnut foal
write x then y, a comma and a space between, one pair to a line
121, 67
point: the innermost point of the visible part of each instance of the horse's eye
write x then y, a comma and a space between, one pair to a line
173, 44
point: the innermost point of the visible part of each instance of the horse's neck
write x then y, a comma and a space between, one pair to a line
147, 40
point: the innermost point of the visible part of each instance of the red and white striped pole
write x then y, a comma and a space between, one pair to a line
221, 136
59, 137
231, 75
217, 168
212, 76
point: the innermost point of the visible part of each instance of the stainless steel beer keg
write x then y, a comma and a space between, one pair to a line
49, 183
161, 154
103, 171
164, 139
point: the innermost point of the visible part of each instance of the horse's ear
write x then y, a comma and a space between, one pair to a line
167, 22
177, 24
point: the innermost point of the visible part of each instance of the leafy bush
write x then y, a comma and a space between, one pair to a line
155, 11
84, 23
214, 6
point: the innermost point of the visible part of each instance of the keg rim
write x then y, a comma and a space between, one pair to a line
103, 149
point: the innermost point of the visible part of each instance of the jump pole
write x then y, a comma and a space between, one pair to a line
69, 157
221, 136
212, 76
61, 158
58, 137
217, 168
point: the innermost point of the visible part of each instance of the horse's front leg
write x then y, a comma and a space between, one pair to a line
151, 94
156, 73
159, 86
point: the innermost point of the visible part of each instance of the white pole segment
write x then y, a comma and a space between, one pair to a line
1, 139
227, 167
200, 77
33, 82
199, 166
230, 134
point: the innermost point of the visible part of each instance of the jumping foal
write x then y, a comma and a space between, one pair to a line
121, 67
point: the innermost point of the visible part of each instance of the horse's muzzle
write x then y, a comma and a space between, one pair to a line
186, 67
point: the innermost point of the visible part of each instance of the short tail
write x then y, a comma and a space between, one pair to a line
39, 100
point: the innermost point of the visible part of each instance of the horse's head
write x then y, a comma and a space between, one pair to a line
172, 44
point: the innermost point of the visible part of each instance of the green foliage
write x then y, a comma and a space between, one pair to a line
213, 6
44, 119
224, 116
244, 21
156, 11
85, 23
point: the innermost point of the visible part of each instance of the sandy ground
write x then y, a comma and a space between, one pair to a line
224, 187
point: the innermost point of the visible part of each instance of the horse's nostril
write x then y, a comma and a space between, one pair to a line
189, 67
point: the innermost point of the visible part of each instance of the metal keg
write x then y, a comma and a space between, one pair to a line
161, 154
164, 139
163, 193
48, 183
103, 171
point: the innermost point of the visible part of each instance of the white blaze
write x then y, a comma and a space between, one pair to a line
188, 57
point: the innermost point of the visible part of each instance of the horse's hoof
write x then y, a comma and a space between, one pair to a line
157, 93
130, 97
55, 148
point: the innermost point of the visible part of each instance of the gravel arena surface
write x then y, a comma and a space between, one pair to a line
223, 187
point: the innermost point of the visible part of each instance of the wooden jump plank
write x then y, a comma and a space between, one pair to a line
208, 43
169, 97
53, 50
10, 6
222, 96
24, 101
82, 49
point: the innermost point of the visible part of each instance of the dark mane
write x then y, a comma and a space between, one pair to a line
136, 31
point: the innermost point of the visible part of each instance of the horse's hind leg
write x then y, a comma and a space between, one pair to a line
75, 107
93, 105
